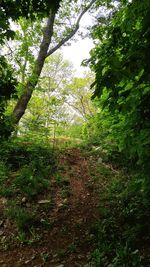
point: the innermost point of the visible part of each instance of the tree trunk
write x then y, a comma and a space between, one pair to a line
22, 103
44, 52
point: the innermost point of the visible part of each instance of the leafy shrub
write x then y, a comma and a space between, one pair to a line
30, 182
122, 235
32, 165
4, 189
17, 154
3, 171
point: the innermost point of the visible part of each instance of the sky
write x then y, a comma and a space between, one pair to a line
79, 50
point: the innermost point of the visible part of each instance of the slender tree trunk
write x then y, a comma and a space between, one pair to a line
22, 103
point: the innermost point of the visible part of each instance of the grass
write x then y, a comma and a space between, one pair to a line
30, 182
61, 253
4, 189
61, 179
32, 164
25, 172
44, 257
23, 219
72, 248
121, 237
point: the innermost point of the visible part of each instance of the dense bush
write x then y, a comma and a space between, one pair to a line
7, 91
121, 128
122, 85
122, 235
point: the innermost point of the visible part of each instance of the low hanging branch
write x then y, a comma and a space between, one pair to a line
23, 101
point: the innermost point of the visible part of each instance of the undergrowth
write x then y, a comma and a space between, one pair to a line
121, 237
26, 169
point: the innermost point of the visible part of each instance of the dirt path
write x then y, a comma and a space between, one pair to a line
64, 242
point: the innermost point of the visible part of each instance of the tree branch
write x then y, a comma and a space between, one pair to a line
72, 33
80, 112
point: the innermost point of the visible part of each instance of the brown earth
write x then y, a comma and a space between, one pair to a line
61, 239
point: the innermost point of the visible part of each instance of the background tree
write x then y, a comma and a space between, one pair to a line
65, 101
21, 51
12, 11
55, 75
52, 34
45, 51
78, 96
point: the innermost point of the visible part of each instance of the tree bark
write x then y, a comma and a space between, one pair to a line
22, 103
44, 52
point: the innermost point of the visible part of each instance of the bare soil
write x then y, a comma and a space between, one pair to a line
61, 239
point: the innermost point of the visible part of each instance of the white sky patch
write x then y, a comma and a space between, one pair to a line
77, 52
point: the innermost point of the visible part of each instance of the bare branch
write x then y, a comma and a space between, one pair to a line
72, 33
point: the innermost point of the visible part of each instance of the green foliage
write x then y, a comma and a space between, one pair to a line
124, 258
10, 9
61, 179
20, 152
61, 253
7, 82
53, 115
26, 169
121, 236
121, 128
121, 64
3, 171
74, 131
29, 181
7, 91
31, 164
5, 190
44, 256
72, 248
27, 39
78, 96
21, 217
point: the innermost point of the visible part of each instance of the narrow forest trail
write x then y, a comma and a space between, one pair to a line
62, 238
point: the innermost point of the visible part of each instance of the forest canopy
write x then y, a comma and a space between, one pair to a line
28, 9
